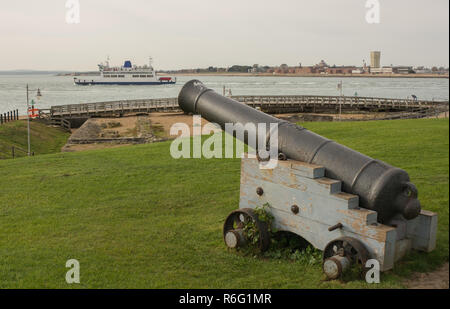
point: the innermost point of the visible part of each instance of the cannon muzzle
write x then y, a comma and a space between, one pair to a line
380, 186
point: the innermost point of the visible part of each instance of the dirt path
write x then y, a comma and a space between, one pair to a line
437, 279
166, 120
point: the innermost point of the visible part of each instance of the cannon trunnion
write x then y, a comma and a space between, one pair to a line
349, 205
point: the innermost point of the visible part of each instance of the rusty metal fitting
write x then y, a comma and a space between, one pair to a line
235, 238
335, 266
282, 157
259, 191
335, 227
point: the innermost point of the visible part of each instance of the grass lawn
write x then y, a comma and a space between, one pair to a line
136, 218
44, 139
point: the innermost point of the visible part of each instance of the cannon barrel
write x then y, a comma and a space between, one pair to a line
380, 186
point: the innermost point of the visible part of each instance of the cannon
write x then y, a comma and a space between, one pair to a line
345, 203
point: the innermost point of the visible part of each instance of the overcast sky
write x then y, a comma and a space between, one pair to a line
199, 33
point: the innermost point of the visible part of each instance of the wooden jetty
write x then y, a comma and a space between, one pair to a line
73, 115
270, 104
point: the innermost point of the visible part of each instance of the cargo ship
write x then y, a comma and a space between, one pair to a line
128, 74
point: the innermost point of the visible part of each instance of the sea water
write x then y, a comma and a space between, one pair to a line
60, 90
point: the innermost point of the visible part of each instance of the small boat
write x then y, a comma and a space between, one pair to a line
127, 74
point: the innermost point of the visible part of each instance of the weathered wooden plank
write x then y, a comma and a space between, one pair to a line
423, 231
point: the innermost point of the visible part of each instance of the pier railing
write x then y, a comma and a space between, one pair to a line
115, 107
271, 104
9, 116
337, 100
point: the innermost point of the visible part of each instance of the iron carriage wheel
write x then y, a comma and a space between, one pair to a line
234, 226
350, 248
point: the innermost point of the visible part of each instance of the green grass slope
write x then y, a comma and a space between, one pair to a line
136, 218
44, 139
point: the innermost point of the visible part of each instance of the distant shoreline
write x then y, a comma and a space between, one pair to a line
314, 75
237, 74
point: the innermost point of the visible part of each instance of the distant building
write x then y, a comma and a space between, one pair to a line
403, 70
392, 70
305, 70
322, 64
283, 69
341, 70
375, 57
383, 70
422, 70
